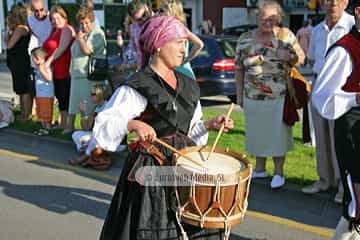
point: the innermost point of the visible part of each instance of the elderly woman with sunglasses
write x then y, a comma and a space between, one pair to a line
264, 58
155, 102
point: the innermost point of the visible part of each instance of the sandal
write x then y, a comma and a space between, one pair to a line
42, 132
78, 160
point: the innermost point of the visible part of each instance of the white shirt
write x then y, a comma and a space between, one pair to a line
40, 28
322, 38
327, 96
126, 104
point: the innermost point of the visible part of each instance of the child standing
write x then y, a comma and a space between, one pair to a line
44, 88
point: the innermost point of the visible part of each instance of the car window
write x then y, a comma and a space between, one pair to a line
204, 52
228, 46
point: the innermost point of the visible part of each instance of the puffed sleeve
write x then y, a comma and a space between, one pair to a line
198, 133
111, 124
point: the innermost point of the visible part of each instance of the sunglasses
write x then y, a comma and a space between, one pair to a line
38, 10
92, 94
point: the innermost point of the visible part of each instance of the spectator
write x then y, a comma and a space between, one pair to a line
59, 57
336, 24
303, 35
98, 94
90, 5
17, 40
139, 12
263, 63
180, 125
44, 89
90, 41
175, 8
336, 96
40, 27
39, 23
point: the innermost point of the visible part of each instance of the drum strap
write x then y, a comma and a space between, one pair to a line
153, 151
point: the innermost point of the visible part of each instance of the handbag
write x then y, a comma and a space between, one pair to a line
98, 68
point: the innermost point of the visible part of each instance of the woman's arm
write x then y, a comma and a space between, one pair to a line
196, 47
19, 31
87, 122
82, 42
111, 124
199, 129
65, 41
45, 72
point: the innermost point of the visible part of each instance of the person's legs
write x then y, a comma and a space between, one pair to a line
279, 165
336, 181
278, 179
260, 164
70, 120
25, 105
323, 154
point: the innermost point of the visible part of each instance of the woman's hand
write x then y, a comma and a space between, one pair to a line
143, 130
283, 54
216, 123
82, 107
81, 35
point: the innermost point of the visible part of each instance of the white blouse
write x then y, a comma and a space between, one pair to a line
327, 96
126, 104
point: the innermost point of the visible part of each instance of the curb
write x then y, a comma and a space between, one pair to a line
292, 187
27, 134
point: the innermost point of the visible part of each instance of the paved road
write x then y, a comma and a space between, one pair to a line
42, 197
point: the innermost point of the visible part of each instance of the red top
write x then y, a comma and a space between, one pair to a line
351, 43
60, 66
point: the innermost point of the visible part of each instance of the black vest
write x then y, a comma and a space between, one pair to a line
160, 112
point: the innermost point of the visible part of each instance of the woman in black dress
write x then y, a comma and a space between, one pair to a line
155, 102
18, 59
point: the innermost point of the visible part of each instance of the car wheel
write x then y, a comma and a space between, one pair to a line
232, 98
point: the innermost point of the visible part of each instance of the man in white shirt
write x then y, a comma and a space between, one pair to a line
39, 23
337, 23
336, 96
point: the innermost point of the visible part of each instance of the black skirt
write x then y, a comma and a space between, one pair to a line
146, 212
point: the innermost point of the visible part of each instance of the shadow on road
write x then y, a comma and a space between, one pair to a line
60, 199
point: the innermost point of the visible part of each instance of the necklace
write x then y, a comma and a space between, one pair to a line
173, 99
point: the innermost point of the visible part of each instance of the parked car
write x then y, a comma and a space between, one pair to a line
214, 67
238, 30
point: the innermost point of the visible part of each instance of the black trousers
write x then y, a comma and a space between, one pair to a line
347, 146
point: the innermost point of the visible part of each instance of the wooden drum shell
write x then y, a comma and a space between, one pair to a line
202, 209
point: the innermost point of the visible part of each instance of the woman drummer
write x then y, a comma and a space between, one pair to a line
155, 102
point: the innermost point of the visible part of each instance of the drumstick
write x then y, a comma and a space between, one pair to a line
178, 152
220, 130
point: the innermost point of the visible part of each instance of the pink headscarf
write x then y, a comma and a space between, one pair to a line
156, 32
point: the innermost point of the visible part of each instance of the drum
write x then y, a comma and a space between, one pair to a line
216, 195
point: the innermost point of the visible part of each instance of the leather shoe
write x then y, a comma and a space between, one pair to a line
311, 189
277, 181
339, 197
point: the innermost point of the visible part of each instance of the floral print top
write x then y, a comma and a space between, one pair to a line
265, 75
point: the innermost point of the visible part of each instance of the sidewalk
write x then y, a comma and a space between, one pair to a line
289, 203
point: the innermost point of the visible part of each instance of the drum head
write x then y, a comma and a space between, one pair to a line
217, 163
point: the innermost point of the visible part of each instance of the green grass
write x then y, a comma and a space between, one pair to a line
300, 166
